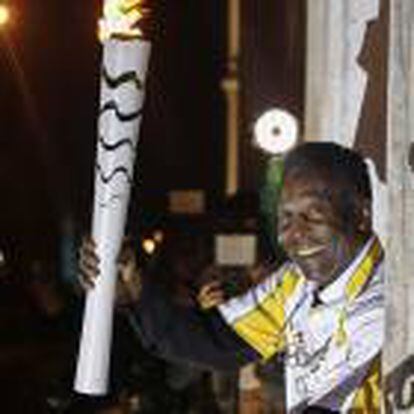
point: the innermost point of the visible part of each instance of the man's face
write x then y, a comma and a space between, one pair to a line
311, 230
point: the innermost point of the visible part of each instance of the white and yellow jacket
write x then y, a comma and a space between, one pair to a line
331, 349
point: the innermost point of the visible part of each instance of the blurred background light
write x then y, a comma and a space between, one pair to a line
4, 14
149, 246
158, 236
2, 258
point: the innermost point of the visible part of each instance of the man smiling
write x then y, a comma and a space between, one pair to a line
322, 310
324, 215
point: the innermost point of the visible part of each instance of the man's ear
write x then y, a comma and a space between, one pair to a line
364, 215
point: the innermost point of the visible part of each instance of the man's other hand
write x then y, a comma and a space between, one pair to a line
210, 295
88, 263
129, 279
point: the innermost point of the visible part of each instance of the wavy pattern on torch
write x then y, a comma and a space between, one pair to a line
120, 143
111, 105
109, 177
115, 81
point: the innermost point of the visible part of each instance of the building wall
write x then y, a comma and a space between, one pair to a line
398, 360
346, 79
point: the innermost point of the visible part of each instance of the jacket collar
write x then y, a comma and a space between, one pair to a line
356, 276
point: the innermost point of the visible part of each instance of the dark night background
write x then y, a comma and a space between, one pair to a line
49, 80
49, 83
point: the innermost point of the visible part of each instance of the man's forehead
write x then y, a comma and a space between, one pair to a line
314, 173
307, 180
312, 187
315, 187
308, 196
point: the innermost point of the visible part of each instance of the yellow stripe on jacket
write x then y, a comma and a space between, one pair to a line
367, 399
263, 325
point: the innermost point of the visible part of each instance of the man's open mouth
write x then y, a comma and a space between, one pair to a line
309, 251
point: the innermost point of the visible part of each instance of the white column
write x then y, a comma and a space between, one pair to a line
335, 83
398, 356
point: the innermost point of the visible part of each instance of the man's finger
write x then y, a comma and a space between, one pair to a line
210, 287
88, 263
210, 295
85, 282
214, 297
86, 252
89, 266
211, 301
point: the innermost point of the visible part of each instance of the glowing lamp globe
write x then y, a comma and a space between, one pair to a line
276, 131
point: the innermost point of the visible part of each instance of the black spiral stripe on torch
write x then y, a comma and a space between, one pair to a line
146, 25
111, 105
114, 82
109, 177
112, 147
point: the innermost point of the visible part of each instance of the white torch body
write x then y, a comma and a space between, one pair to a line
124, 69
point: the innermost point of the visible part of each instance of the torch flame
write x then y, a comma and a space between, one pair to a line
120, 19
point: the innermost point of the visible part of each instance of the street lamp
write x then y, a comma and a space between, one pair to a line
275, 133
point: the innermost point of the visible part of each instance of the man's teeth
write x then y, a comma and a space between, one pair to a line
309, 251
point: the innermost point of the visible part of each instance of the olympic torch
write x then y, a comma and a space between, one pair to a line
126, 54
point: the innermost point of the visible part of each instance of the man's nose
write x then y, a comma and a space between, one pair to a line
296, 232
